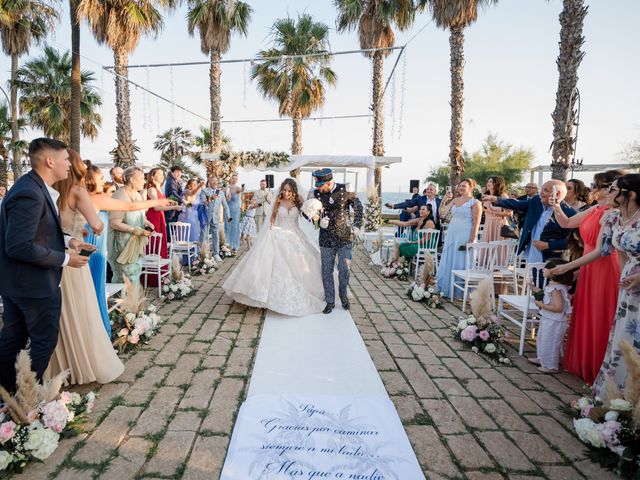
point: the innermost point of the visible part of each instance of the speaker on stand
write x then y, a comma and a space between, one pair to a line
414, 184
269, 179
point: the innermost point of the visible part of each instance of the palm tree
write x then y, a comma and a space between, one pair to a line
22, 23
375, 20
76, 78
119, 24
216, 20
45, 84
174, 145
296, 83
202, 143
455, 15
6, 144
569, 58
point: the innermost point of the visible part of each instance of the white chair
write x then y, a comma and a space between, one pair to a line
180, 243
522, 309
504, 264
112, 289
480, 231
404, 234
427, 245
153, 264
479, 262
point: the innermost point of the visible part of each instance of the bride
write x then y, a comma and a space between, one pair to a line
282, 270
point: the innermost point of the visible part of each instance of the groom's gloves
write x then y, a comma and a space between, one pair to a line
324, 222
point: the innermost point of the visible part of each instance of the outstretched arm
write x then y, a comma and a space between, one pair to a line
358, 211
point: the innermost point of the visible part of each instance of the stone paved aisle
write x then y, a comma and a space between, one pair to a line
172, 412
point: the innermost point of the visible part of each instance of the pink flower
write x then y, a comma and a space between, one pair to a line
134, 339
66, 398
124, 332
171, 296
484, 335
32, 416
609, 431
7, 431
469, 334
55, 415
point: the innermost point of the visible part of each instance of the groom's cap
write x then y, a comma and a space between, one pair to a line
323, 176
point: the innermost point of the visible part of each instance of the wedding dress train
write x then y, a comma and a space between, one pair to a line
281, 272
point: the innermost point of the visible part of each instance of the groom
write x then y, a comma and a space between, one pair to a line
336, 234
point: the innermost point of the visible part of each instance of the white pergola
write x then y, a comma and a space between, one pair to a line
595, 167
340, 164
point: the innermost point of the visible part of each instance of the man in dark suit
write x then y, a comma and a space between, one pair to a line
541, 237
413, 205
336, 234
32, 255
173, 189
531, 190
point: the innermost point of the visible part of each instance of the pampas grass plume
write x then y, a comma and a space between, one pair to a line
133, 299
16, 411
611, 390
176, 269
26, 382
632, 384
481, 303
50, 389
427, 270
395, 254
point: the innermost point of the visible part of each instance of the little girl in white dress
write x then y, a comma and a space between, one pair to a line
248, 227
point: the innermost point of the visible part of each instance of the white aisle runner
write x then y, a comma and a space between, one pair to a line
317, 409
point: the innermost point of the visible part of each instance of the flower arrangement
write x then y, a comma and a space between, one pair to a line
398, 268
205, 264
610, 427
133, 322
312, 210
226, 252
177, 285
229, 162
37, 417
372, 213
421, 291
480, 331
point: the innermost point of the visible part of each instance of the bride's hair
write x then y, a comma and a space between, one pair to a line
293, 186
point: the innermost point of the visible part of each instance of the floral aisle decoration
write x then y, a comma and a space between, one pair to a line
372, 213
37, 417
177, 285
397, 266
205, 263
480, 330
610, 428
421, 290
133, 322
226, 251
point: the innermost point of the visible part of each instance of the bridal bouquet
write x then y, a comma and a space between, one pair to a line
37, 417
312, 210
480, 331
611, 428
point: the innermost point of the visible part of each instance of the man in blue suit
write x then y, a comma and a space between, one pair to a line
173, 189
32, 255
541, 237
212, 199
415, 203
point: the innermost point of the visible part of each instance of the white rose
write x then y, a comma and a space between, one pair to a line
75, 398
417, 294
174, 288
620, 405
462, 324
5, 459
609, 416
471, 320
588, 432
130, 317
474, 349
583, 403
489, 348
91, 397
151, 308
165, 288
324, 222
41, 442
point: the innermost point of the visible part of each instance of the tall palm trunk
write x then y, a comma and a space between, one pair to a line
296, 140
378, 115
15, 130
76, 88
569, 58
456, 162
124, 154
215, 72
4, 155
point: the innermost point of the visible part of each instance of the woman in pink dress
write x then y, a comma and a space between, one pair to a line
495, 217
596, 297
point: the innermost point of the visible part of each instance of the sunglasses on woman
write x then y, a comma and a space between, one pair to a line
595, 186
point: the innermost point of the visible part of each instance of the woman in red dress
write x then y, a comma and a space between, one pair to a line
155, 179
596, 297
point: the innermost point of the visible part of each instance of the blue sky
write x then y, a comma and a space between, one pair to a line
510, 86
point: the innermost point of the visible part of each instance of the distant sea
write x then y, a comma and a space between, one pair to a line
387, 197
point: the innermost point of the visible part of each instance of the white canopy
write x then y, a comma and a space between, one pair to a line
369, 162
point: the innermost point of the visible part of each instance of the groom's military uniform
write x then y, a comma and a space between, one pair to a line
337, 238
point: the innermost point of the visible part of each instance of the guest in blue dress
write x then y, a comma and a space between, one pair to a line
466, 212
94, 182
232, 228
190, 213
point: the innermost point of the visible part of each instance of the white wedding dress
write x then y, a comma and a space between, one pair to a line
281, 272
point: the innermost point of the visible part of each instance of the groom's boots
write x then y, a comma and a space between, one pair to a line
329, 308
345, 303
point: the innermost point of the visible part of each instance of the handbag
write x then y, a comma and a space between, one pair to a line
509, 231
